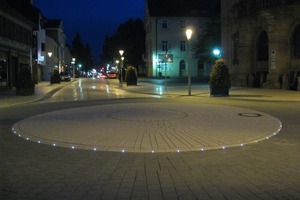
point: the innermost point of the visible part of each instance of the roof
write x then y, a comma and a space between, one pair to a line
183, 8
25, 8
53, 23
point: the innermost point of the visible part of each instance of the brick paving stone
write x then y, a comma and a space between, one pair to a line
267, 170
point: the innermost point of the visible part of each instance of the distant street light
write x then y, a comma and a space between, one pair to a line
73, 64
121, 68
189, 33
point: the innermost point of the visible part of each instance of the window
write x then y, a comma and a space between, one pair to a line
296, 44
164, 45
43, 46
164, 24
182, 24
183, 46
263, 47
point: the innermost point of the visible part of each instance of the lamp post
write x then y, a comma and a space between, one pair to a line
73, 63
189, 33
122, 63
49, 62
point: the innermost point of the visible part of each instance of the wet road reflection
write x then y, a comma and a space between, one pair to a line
87, 89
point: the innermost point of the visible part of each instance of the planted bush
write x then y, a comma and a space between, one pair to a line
219, 79
131, 76
55, 77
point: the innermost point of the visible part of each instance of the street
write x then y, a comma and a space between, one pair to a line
268, 169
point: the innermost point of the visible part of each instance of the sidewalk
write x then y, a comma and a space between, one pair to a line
9, 97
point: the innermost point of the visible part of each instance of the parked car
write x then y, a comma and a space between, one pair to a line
64, 76
112, 75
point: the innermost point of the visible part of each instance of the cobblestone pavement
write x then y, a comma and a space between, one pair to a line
265, 170
156, 127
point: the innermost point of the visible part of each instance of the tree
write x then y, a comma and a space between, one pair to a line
88, 60
209, 39
130, 37
82, 53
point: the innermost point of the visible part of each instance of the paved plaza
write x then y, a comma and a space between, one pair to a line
157, 127
153, 144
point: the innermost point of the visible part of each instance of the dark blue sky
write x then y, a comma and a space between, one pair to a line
93, 19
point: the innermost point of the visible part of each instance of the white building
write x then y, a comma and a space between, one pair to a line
167, 49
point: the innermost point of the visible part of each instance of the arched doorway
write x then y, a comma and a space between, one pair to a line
182, 68
262, 60
295, 45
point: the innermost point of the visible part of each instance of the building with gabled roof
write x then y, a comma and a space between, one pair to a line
166, 43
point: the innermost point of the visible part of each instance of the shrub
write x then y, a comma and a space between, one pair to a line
131, 76
55, 78
219, 76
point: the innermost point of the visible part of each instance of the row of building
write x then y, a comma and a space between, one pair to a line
260, 40
29, 40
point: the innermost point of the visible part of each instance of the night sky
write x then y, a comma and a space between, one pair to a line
93, 19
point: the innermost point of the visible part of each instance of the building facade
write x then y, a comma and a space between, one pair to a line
261, 42
167, 47
15, 48
24, 33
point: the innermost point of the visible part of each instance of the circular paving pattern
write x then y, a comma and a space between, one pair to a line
145, 127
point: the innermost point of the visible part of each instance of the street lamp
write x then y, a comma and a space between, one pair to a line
189, 33
122, 63
73, 63
217, 53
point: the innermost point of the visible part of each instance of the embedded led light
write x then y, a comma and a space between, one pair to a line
242, 145
39, 142
178, 150
54, 145
95, 149
73, 147
27, 138
152, 151
267, 138
123, 150
202, 149
223, 147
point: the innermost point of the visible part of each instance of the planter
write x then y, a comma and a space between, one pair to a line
131, 77
219, 91
55, 79
25, 85
219, 79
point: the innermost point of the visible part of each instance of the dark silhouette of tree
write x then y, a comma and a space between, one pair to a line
209, 39
82, 53
130, 37
87, 58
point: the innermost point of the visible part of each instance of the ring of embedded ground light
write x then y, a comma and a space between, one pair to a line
141, 127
